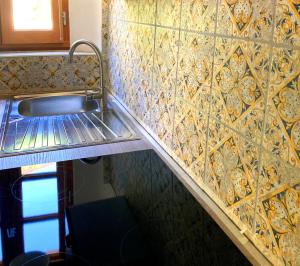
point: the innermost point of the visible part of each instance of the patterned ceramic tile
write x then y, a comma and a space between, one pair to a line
234, 181
190, 137
199, 15
279, 158
285, 66
241, 77
258, 57
197, 171
249, 113
251, 126
194, 68
284, 104
246, 18
223, 47
147, 11
89, 72
287, 103
163, 99
13, 74
145, 55
282, 211
287, 22
4, 89
168, 13
131, 10
264, 239
275, 173
114, 56
42, 73
129, 63
209, 182
219, 119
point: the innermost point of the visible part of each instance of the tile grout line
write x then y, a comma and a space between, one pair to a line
220, 35
210, 98
266, 102
176, 75
152, 68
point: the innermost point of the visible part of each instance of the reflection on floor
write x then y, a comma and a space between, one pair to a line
33, 203
179, 231
175, 230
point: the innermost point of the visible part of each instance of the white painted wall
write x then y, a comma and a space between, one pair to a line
88, 183
85, 21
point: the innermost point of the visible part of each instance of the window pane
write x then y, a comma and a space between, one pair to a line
39, 197
42, 236
39, 169
32, 15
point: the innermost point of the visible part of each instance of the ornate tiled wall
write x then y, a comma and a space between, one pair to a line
36, 74
178, 230
217, 84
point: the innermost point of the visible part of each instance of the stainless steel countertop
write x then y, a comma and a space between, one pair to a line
22, 135
27, 134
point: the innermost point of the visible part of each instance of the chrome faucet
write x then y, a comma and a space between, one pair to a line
102, 90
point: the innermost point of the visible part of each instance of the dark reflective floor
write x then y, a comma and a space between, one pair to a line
72, 214
34, 203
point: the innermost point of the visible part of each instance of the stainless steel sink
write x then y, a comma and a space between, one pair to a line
57, 105
51, 122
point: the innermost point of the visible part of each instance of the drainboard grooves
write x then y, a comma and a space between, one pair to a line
34, 133
23, 134
22, 128
39, 135
89, 128
51, 132
78, 127
92, 125
27, 137
105, 126
57, 140
64, 140
9, 141
70, 131
100, 127
45, 132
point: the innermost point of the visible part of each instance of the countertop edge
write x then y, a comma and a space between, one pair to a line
242, 242
19, 160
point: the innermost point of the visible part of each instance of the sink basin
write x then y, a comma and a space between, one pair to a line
52, 122
57, 105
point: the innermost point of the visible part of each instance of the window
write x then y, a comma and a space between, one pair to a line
40, 197
34, 24
40, 205
34, 199
49, 229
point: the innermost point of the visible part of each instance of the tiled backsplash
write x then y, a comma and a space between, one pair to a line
36, 74
217, 84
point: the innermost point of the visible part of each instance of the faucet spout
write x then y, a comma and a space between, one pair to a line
102, 90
